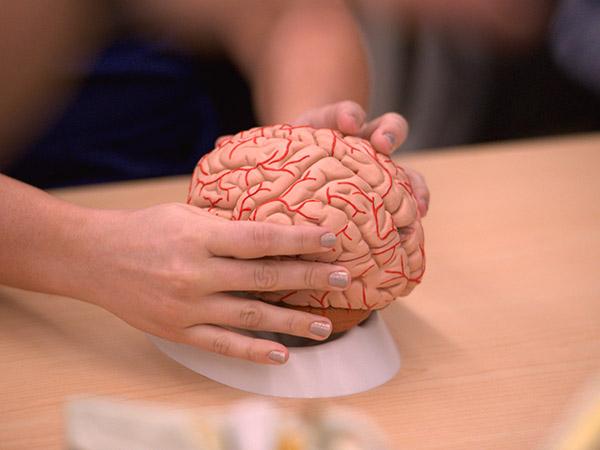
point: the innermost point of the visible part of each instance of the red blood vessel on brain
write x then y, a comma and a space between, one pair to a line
301, 175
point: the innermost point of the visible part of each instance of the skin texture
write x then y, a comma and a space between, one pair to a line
172, 286
270, 41
300, 175
164, 269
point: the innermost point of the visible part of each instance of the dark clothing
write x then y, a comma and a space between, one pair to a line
142, 111
576, 40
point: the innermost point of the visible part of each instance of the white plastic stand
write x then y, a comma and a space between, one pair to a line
363, 358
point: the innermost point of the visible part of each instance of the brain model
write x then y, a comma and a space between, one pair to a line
301, 175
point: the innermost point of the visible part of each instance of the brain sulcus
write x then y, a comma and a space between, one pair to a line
301, 175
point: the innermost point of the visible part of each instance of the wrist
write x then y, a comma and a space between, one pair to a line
61, 253
49, 245
89, 239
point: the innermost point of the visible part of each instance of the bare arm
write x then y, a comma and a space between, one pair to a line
297, 54
304, 59
308, 55
42, 239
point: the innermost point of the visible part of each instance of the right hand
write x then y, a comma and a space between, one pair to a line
166, 269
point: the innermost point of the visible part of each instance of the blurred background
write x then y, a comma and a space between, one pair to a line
475, 71
95, 91
79, 78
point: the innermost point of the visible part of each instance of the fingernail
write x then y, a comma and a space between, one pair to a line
277, 356
339, 279
391, 138
322, 329
328, 240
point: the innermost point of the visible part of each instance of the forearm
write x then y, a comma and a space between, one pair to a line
38, 40
309, 54
297, 54
42, 239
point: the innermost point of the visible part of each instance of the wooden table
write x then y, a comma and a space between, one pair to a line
503, 331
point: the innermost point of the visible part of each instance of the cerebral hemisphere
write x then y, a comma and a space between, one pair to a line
300, 175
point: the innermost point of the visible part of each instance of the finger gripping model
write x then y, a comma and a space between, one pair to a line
301, 175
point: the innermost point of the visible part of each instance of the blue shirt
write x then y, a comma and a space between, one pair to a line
141, 111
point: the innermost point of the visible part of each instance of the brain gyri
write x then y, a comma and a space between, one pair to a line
301, 175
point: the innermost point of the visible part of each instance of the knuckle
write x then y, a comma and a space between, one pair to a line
348, 104
266, 276
253, 353
170, 313
394, 117
221, 345
181, 285
262, 238
352, 107
173, 317
251, 316
291, 323
304, 241
166, 330
311, 277
397, 121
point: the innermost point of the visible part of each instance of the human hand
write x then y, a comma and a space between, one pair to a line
385, 133
167, 269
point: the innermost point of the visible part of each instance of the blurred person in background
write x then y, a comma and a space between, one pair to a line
152, 101
477, 70
144, 107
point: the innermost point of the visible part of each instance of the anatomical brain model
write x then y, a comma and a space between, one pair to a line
302, 175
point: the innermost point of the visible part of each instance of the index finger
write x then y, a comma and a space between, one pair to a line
386, 133
248, 240
346, 116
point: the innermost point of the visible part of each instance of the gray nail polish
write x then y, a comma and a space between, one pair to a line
277, 356
328, 240
322, 329
391, 138
339, 279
